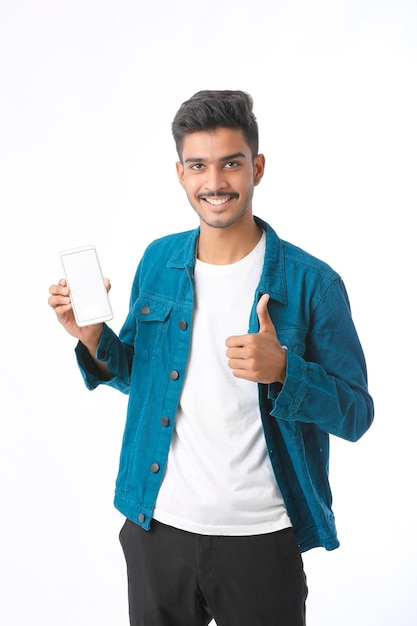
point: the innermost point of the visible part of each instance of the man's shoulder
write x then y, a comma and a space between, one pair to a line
293, 256
171, 243
304, 259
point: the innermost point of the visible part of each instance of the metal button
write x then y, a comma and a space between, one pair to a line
183, 325
174, 375
165, 421
141, 517
145, 310
154, 468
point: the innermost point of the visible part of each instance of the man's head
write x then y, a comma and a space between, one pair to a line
216, 135
208, 110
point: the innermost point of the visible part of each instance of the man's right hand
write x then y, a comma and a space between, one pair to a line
60, 301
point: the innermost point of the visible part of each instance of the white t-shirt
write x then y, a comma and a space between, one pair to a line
219, 479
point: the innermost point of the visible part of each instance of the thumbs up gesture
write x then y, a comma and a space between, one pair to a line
258, 357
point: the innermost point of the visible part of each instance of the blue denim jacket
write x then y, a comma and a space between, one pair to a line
325, 390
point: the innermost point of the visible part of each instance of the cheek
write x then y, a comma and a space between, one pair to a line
191, 186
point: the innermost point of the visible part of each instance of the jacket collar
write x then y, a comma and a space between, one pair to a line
273, 280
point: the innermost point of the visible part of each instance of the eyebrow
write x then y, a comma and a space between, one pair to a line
224, 159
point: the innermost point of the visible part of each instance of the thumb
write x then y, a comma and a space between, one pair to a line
265, 322
107, 284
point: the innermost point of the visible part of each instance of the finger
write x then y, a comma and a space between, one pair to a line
238, 364
59, 295
61, 304
235, 353
236, 341
59, 289
265, 323
244, 374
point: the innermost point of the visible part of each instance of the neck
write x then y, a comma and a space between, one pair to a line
223, 246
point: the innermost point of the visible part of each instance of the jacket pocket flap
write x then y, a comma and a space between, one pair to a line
150, 310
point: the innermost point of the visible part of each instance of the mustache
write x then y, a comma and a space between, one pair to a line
218, 194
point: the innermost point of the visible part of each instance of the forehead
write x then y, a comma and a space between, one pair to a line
214, 144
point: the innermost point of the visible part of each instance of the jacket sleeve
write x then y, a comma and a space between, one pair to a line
328, 386
115, 351
117, 356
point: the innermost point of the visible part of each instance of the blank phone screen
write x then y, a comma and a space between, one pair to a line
89, 297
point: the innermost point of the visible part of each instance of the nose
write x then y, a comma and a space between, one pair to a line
215, 179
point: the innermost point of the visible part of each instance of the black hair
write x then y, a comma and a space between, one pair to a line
208, 110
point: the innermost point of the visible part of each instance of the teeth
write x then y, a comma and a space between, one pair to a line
217, 201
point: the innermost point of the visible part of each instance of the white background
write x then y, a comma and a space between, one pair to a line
88, 90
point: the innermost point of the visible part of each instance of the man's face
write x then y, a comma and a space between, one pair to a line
219, 174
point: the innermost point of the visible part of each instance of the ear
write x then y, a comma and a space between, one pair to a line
258, 168
180, 172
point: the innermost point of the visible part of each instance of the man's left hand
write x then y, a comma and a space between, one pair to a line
258, 357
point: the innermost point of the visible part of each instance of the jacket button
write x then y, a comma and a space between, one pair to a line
101, 355
145, 310
183, 325
165, 421
141, 517
174, 375
154, 468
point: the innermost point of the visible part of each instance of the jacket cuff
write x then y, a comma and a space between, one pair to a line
89, 370
289, 398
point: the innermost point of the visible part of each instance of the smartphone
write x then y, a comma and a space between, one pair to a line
82, 270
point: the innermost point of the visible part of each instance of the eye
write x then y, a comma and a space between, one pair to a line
197, 166
231, 164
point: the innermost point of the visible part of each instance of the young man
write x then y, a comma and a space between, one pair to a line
240, 357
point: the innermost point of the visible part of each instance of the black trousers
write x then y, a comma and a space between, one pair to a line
177, 578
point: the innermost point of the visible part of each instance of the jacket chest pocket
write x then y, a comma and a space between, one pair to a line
152, 318
293, 339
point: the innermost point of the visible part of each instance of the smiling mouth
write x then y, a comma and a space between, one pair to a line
217, 200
